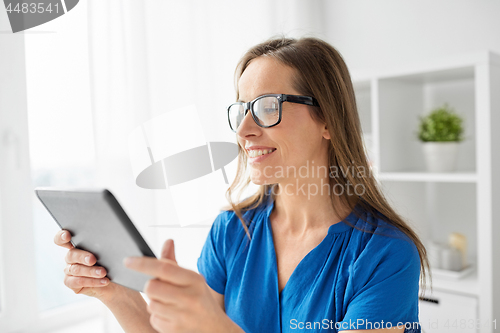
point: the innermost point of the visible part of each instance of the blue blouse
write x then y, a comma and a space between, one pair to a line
351, 280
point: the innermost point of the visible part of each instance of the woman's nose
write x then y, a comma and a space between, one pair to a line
247, 126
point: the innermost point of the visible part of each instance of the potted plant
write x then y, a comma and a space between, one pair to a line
440, 132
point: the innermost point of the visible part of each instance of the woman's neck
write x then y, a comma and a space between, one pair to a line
301, 207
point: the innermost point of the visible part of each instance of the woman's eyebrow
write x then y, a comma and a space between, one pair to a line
242, 101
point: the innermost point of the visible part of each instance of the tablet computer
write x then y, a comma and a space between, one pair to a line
98, 224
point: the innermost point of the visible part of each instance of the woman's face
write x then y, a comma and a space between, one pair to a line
297, 140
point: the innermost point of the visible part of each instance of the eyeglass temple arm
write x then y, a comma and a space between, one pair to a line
300, 99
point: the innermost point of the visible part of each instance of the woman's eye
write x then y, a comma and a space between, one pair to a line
270, 110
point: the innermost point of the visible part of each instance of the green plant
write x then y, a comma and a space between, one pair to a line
441, 124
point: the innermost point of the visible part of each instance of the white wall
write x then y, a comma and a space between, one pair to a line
378, 34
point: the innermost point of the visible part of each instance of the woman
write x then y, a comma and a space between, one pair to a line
317, 248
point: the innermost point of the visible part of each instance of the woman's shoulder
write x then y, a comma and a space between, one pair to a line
229, 221
381, 251
228, 231
378, 237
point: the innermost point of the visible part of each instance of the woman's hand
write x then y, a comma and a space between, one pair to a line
180, 299
81, 275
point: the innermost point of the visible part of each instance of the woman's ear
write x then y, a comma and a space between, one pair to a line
326, 133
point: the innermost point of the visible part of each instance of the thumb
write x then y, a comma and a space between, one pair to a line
167, 251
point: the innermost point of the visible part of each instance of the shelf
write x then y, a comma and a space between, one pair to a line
440, 69
458, 177
452, 74
390, 103
436, 209
403, 100
469, 285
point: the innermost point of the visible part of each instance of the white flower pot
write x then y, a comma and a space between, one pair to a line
440, 156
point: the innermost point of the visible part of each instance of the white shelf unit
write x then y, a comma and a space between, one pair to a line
436, 204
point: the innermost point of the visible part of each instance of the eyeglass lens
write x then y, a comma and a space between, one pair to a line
266, 112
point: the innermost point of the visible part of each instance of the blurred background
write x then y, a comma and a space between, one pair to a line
73, 89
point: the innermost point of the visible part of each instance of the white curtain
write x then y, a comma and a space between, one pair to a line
151, 57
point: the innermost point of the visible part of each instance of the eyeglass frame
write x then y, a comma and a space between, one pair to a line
298, 99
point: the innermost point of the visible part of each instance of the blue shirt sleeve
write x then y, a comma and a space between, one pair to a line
212, 261
384, 284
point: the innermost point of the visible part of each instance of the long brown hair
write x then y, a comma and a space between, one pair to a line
322, 73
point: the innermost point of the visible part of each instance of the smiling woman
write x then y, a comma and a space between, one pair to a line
314, 250
311, 249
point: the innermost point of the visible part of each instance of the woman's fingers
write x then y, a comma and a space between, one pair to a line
161, 310
163, 291
165, 269
63, 238
85, 271
75, 282
78, 256
160, 324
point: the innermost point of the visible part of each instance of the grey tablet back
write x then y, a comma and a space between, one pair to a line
98, 224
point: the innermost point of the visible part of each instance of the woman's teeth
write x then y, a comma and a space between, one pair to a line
255, 152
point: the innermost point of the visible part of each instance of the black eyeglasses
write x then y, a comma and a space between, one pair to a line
265, 109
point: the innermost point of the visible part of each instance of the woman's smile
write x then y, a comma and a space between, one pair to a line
258, 155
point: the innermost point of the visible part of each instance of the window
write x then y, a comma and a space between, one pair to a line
60, 137
46, 139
